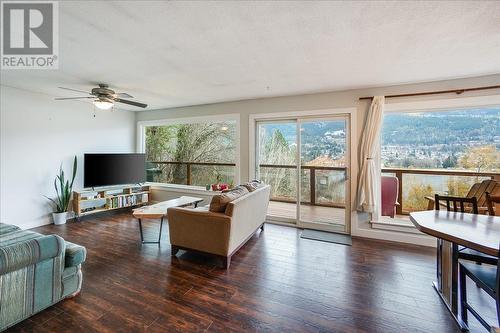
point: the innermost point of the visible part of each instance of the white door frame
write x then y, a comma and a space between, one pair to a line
322, 113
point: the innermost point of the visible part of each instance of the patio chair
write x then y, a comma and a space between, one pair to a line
491, 202
478, 190
390, 186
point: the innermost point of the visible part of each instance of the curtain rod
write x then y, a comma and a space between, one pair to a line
456, 91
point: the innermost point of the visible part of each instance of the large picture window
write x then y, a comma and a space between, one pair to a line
443, 152
192, 153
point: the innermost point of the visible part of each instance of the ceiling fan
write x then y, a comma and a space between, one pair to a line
104, 98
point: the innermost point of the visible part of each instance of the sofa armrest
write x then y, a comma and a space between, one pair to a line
74, 255
199, 229
30, 252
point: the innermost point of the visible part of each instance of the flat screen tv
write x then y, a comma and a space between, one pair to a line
113, 169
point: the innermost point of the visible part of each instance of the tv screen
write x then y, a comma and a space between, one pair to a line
113, 169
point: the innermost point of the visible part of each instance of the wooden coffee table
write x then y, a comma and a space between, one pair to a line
159, 211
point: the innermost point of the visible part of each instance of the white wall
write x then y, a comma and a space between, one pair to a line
37, 134
330, 100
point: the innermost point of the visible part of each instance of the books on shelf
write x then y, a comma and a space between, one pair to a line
128, 200
93, 201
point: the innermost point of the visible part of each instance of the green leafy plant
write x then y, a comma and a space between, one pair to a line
63, 190
218, 176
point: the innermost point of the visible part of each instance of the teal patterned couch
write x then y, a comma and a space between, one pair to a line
36, 271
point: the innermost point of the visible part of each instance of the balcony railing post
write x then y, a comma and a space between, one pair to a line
399, 208
312, 185
188, 173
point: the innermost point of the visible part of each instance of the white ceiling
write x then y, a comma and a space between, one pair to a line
171, 54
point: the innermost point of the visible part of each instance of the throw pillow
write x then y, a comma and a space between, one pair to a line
219, 202
253, 185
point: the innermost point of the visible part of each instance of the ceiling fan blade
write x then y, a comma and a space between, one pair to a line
85, 92
119, 100
123, 95
63, 98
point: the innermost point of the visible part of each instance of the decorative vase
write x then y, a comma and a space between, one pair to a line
59, 218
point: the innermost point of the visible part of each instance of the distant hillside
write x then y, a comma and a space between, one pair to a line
430, 128
311, 131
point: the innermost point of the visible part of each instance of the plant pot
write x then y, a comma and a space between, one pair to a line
59, 218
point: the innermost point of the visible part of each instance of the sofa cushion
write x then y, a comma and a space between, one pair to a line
28, 252
74, 255
6, 228
253, 185
219, 202
17, 236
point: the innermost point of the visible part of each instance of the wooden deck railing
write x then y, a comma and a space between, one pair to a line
190, 164
312, 182
399, 172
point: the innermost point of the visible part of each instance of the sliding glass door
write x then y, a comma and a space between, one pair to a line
323, 152
306, 162
277, 166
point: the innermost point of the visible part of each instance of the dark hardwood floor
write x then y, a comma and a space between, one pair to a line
276, 283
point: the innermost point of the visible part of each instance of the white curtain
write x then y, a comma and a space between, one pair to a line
369, 182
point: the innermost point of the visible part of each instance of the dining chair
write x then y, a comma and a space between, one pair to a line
477, 190
452, 203
487, 278
460, 204
491, 200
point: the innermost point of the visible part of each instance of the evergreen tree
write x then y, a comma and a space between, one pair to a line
450, 162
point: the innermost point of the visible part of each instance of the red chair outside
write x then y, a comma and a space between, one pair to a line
390, 186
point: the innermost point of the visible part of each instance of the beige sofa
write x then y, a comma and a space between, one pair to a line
219, 233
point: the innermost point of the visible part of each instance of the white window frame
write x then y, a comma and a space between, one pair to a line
450, 104
141, 132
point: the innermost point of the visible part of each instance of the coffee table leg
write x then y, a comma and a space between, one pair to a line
159, 236
140, 229
142, 235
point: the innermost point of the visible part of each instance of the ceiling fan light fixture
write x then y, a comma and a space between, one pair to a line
105, 98
103, 105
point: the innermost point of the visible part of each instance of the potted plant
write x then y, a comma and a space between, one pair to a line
63, 190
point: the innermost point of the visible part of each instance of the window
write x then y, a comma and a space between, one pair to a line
192, 153
441, 152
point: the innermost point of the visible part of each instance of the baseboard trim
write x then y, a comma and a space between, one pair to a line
396, 237
34, 224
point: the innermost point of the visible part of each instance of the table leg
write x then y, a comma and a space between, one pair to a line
140, 229
159, 236
142, 235
439, 257
454, 279
447, 275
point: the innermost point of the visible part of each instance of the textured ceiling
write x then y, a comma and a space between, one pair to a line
184, 53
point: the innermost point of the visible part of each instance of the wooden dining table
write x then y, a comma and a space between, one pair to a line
477, 232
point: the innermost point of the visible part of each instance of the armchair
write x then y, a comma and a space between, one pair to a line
36, 271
